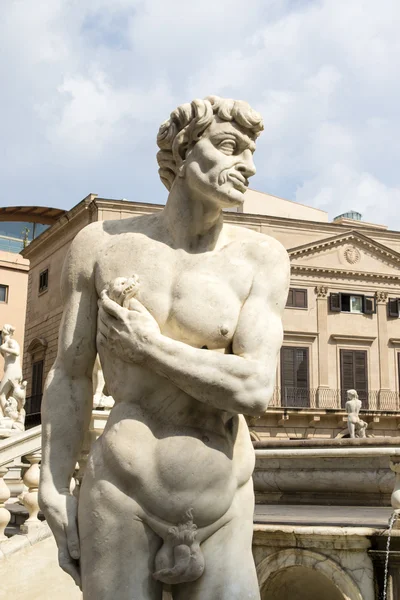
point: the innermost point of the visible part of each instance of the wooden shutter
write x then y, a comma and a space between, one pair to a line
300, 298
393, 307
297, 298
294, 376
287, 367
37, 378
369, 306
335, 303
398, 367
361, 375
354, 374
289, 301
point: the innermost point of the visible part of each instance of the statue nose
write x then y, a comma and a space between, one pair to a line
247, 166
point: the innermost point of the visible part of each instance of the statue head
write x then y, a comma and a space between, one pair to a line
7, 330
122, 289
352, 395
210, 143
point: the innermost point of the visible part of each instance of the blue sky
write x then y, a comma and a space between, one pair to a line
85, 86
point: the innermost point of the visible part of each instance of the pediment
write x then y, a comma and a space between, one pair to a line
351, 252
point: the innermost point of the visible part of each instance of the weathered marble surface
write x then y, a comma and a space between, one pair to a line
167, 496
100, 399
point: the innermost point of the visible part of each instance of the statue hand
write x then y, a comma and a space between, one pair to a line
124, 331
60, 510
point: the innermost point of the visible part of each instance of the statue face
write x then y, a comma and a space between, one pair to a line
123, 288
219, 165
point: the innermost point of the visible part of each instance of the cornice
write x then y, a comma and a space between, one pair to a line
54, 231
343, 273
345, 338
395, 341
14, 266
299, 335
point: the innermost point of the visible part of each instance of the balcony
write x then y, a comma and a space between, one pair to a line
333, 399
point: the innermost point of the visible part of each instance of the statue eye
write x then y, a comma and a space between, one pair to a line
228, 146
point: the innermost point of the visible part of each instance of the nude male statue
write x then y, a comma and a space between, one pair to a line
10, 351
167, 496
355, 425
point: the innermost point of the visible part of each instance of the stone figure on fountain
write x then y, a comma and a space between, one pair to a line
12, 388
356, 426
167, 496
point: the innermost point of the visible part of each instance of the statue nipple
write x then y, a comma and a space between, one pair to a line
224, 330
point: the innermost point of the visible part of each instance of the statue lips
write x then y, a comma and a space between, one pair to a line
239, 182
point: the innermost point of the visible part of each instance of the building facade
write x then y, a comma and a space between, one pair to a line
19, 225
341, 323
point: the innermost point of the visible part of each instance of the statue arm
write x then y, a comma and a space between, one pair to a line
241, 382
67, 399
10, 347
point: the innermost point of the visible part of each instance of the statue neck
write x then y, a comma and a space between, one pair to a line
193, 224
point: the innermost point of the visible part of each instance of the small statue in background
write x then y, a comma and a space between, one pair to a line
356, 426
15, 408
10, 351
14, 411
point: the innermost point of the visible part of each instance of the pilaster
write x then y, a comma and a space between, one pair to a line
321, 292
383, 340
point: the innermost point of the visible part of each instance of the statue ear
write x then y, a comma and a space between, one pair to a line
180, 149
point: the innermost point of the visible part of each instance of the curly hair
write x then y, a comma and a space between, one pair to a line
188, 122
8, 329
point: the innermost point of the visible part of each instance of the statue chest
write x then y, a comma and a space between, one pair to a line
195, 298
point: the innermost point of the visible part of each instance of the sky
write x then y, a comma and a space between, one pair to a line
85, 85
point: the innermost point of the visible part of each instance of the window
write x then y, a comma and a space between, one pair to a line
4, 293
354, 374
33, 403
297, 298
294, 376
37, 378
393, 307
352, 303
43, 280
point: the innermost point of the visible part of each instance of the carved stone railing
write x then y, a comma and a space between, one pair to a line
20, 456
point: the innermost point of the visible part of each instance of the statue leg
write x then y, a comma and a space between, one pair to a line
117, 548
229, 572
5, 389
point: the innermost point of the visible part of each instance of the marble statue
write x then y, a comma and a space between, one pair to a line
100, 399
14, 412
356, 426
167, 495
10, 351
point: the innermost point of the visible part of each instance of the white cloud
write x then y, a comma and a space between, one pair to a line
86, 85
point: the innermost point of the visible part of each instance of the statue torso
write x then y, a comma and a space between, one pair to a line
196, 299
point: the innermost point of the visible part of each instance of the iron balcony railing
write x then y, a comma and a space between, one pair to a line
286, 397
291, 397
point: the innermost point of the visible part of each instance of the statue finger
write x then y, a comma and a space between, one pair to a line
71, 531
111, 307
69, 565
105, 318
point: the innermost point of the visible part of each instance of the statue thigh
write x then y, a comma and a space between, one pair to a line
117, 548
